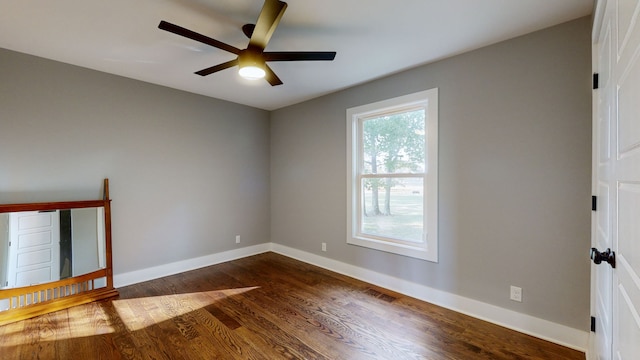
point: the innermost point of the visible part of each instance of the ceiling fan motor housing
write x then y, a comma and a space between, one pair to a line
251, 57
251, 64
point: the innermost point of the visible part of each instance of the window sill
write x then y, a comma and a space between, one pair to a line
420, 251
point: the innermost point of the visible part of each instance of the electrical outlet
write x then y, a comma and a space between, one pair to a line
237, 239
516, 293
324, 246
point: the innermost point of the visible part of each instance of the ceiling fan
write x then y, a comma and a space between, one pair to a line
252, 60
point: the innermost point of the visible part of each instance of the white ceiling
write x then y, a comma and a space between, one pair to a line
373, 38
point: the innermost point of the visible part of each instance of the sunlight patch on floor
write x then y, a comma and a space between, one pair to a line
140, 313
76, 322
93, 320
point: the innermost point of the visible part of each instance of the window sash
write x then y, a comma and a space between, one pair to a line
360, 156
361, 174
360, 218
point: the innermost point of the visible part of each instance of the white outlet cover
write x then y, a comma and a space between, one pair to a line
516, 293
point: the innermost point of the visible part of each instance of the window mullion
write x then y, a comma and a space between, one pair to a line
392, 175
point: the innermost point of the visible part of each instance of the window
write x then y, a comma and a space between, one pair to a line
392, 148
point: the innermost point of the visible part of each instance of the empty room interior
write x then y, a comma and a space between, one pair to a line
405, 180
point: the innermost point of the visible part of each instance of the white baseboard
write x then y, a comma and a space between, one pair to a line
543, 329
138, 276
540, 328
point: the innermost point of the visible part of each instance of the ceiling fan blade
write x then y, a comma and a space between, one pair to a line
179, 30
271, 77
268, 20
299, 55
219, 67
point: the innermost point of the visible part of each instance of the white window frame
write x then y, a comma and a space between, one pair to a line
428, 248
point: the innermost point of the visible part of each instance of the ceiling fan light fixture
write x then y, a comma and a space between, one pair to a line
252, 66
252, 72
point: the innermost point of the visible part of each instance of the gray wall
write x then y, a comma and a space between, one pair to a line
187, 173
515, 159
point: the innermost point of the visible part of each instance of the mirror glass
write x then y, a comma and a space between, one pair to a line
42, 246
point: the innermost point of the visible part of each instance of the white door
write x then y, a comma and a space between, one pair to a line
616, 292
602, 275
34, 248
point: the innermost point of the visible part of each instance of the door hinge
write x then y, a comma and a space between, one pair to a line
595, 81
594, 203
593, 324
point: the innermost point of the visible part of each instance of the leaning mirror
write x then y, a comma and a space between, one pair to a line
54, 255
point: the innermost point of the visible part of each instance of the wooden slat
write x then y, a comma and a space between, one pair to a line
5, 293
45, 206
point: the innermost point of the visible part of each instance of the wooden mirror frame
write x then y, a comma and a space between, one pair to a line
30, 301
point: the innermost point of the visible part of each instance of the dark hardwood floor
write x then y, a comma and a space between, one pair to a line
265, 307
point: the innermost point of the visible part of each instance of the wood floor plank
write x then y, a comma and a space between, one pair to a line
266, 307
12, 337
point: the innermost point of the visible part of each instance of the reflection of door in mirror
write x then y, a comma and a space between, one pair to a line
34, 248
42, 246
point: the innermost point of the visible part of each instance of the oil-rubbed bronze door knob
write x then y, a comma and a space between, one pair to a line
607, 256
